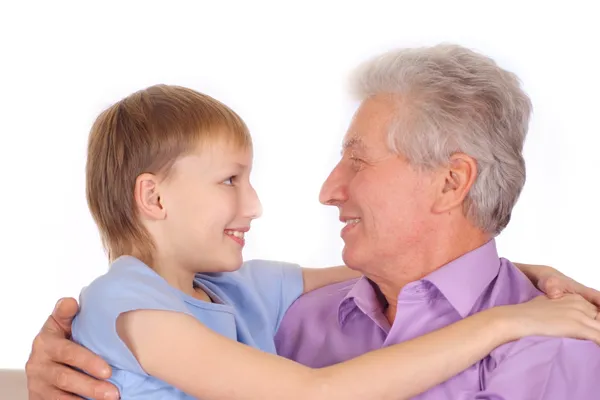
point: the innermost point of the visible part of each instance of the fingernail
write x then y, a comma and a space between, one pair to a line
111, 395
58, 304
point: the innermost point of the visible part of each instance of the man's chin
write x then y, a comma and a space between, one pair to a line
351, 259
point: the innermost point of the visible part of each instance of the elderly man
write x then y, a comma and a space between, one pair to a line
431, 169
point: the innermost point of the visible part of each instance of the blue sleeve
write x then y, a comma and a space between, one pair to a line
278, 283
126, 288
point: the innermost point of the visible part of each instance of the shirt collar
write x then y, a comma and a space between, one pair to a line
361, 295
477, 268
463, 281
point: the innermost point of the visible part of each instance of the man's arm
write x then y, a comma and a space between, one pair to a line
49, 375
544, 369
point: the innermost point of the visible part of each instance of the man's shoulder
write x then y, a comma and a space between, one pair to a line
319, 304
554, 363
543, 367
307, 323
328, 297
510, 286
554, 346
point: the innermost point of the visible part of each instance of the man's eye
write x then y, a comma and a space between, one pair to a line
356, 162
356, 159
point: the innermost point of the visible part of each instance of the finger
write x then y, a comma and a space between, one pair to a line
553, 286
591, 330
581, 304
590, 313
56, 394
576, 304
554, 293
64, 312
591, 295
593, 324
69, 353
70, 381
591, 334
41, 392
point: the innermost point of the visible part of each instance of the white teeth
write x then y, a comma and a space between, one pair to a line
353, 221
237, 234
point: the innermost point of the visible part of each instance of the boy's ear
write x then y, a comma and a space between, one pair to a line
147, 197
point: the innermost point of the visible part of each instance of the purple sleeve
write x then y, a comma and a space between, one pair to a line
544, 369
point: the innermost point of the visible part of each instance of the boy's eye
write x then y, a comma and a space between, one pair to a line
229, 181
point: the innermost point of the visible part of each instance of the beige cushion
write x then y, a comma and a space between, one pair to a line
13, 385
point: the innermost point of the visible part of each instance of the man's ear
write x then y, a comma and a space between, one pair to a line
456, 179
147, 197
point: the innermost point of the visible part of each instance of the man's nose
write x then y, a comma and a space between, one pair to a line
334, 189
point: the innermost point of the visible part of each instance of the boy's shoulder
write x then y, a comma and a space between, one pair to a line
256, 272
126, 274
129, 284
259, 269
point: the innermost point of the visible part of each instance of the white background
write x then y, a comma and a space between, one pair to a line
282, 66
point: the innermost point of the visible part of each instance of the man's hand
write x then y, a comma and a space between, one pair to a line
49, 372
555, 284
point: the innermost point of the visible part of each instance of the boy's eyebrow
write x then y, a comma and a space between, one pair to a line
239, 165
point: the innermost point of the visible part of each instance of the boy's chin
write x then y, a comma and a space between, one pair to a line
232, 263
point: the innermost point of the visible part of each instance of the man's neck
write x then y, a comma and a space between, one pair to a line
421, 262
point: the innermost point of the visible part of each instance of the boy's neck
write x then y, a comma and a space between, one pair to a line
180, 279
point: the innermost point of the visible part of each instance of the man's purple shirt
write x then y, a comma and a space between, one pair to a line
342, 321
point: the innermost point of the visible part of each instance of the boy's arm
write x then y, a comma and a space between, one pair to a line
556, 284
315, 278
207, 365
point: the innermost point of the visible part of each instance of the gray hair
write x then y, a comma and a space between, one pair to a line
458, 101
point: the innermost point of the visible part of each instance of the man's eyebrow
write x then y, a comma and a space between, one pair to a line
354, 143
